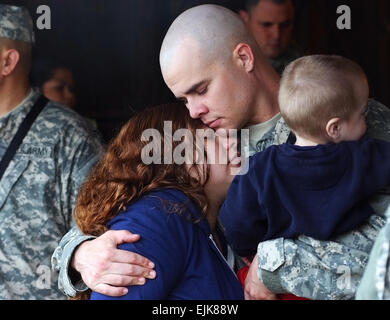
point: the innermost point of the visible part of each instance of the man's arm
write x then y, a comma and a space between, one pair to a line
98, 264
169, 253
318, 270
254, 289
321, 270
375, 284
108, 270
69, 282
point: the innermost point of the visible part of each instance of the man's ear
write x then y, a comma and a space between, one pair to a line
244, 15
333, 129
8, 62
243, 55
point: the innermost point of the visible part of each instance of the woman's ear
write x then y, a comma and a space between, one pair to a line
333, 129
243, 55
8, 61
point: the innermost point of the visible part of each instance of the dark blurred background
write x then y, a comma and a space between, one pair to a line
112, 47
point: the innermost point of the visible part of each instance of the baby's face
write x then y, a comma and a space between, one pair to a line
355, 127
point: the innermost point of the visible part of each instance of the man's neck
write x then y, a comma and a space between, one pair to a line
12, 95
266, 108
266, 103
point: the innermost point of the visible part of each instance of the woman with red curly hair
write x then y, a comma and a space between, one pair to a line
174, 207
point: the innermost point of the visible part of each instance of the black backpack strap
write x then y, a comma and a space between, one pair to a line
21, 133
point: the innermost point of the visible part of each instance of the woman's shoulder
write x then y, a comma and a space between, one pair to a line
162, 199
166, 194
159, 207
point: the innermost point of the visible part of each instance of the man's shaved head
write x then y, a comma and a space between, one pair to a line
213, 31
209, 61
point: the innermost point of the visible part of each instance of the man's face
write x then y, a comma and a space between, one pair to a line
213, 91
59, 88
271, 25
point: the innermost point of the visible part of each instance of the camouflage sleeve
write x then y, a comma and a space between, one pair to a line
378, 121
375, 284
322, 270
86, 151
318, 270
329, 269
61, 259
383, 271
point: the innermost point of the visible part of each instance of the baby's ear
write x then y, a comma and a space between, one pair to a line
333, 129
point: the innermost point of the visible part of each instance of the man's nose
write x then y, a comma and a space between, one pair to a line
275, 32
196, 110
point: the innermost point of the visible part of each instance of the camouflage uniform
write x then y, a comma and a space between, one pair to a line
37, 195
304, 266
280, 63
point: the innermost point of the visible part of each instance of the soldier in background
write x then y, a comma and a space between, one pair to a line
55, 80
39, 185
271, 23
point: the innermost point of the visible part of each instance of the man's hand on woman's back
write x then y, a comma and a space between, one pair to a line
108, 270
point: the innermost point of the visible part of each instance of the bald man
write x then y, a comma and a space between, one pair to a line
211, 63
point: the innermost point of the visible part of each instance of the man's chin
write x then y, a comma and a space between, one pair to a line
274, 53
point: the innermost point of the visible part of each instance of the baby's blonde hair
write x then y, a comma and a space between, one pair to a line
317, 88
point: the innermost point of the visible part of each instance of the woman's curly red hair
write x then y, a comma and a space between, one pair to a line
122, 177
